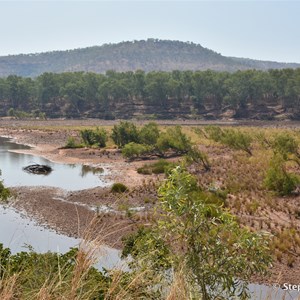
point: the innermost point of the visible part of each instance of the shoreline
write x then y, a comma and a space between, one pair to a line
72, 215
72, 212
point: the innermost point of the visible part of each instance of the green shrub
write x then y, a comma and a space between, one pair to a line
4, 192
197, 236
198, 157
278, 179
149, 134
11, 112
287, 146
97, 137
124, 133
237, 140
71, 143
214, 133
232, 138
134, 150
173, 139
159, 167
35, 269
119, 188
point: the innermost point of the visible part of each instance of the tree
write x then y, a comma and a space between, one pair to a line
287, 146
217, 256
47, 88
156, 87
237, 139
175, 140
278, 179
97, 137
124, 133
134, 150
149, 134
198, 157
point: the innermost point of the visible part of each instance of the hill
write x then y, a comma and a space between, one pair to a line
149, 55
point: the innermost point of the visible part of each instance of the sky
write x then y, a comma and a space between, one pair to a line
265, 30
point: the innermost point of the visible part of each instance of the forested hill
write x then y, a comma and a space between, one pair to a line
149, 55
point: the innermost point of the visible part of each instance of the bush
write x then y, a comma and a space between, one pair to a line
119, 188
214, 133
159, 167
124, 133
97, 137
237, 140
149, 134
4, 192
71, 143
134, 150
278, 179
197, 236
232, 138
198, 157
173, 139
287, 147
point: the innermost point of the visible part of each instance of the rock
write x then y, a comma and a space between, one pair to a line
38, 169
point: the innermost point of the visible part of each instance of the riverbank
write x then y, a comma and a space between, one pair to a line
71, 212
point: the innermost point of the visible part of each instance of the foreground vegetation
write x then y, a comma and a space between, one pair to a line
191, 237
231, 200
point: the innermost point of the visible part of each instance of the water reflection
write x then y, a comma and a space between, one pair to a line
85, 169
70, 177
18, 232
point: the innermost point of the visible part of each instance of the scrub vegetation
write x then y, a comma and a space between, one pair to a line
223, 212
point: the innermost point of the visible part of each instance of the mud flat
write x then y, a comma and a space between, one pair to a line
70, 212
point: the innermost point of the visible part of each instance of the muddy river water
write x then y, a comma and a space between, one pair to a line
17, 231
70, 177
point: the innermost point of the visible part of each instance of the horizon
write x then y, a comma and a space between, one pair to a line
265, 30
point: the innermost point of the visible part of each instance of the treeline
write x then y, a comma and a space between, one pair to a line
159, 94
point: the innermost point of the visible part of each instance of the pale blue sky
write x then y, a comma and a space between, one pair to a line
268, 30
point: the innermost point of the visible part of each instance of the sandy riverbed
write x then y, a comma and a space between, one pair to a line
71, 212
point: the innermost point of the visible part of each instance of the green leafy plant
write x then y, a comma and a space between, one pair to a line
196, 156
159, 167
4, 192
133, 150
287, 146
149, 134
278, 179
97, 137
237, 140
173, 140
71, 143
124, 133
196, 235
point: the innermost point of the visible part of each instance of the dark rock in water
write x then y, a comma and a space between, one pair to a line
38, 169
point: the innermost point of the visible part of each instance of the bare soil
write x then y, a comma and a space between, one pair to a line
71, 212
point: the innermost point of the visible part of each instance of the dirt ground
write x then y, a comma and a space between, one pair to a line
72, 212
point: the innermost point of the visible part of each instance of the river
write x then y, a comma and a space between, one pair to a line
18, 231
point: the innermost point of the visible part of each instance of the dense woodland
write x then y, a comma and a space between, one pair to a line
148, 55
178, 94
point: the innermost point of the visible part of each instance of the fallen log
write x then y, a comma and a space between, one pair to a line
38, 169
